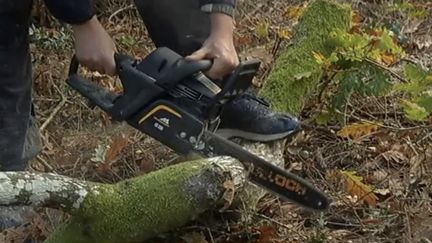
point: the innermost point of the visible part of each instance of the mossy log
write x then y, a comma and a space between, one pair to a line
296, 74
133, 210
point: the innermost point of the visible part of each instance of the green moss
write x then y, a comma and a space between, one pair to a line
296, 75
140, 208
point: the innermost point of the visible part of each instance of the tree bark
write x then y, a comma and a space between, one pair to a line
43, 190
296, 74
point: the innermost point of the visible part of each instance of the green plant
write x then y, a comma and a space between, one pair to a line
51, 39
418, 103
354, 66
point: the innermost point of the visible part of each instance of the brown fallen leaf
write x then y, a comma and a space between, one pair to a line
118, 143
267, 234
357, 20
355, 187
358, 130
107, 154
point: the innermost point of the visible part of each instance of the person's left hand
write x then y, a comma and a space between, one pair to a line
220, 48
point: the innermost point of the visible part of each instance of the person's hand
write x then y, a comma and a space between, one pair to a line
219, 47
94, 47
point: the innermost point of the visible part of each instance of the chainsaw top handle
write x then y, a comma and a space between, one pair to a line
139, 88
124, 60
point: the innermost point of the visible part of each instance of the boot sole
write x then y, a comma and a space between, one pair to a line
233, 133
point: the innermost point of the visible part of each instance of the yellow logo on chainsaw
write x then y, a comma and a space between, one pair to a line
159, 108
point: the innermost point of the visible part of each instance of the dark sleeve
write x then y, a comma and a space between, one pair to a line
228, 2
71, 11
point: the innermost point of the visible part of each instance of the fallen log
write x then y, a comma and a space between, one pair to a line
133, 210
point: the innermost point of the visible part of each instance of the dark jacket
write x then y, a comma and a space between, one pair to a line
79, 11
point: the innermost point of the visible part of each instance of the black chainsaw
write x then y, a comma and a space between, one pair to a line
171, 99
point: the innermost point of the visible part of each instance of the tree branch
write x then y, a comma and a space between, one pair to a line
43, 190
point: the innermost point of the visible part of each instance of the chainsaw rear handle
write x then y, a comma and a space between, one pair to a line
96, 94
121, 59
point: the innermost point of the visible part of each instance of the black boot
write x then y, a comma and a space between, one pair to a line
251, 118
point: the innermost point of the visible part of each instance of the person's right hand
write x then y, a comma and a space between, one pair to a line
94, 48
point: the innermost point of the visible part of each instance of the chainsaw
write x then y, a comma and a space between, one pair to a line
171, 100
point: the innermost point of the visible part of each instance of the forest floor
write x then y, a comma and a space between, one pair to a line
394, 159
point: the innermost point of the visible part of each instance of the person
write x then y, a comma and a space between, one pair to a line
196, 29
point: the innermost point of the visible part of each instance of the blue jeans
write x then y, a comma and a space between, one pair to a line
179, 25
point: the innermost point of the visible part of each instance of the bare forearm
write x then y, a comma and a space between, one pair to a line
222, 25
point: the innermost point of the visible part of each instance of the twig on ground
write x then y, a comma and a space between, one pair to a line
56, 109
394, 74
344, 224
408, 225
210, 235
274, 221
429, 135
385, 126
45, 163
119, 11
406, 59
